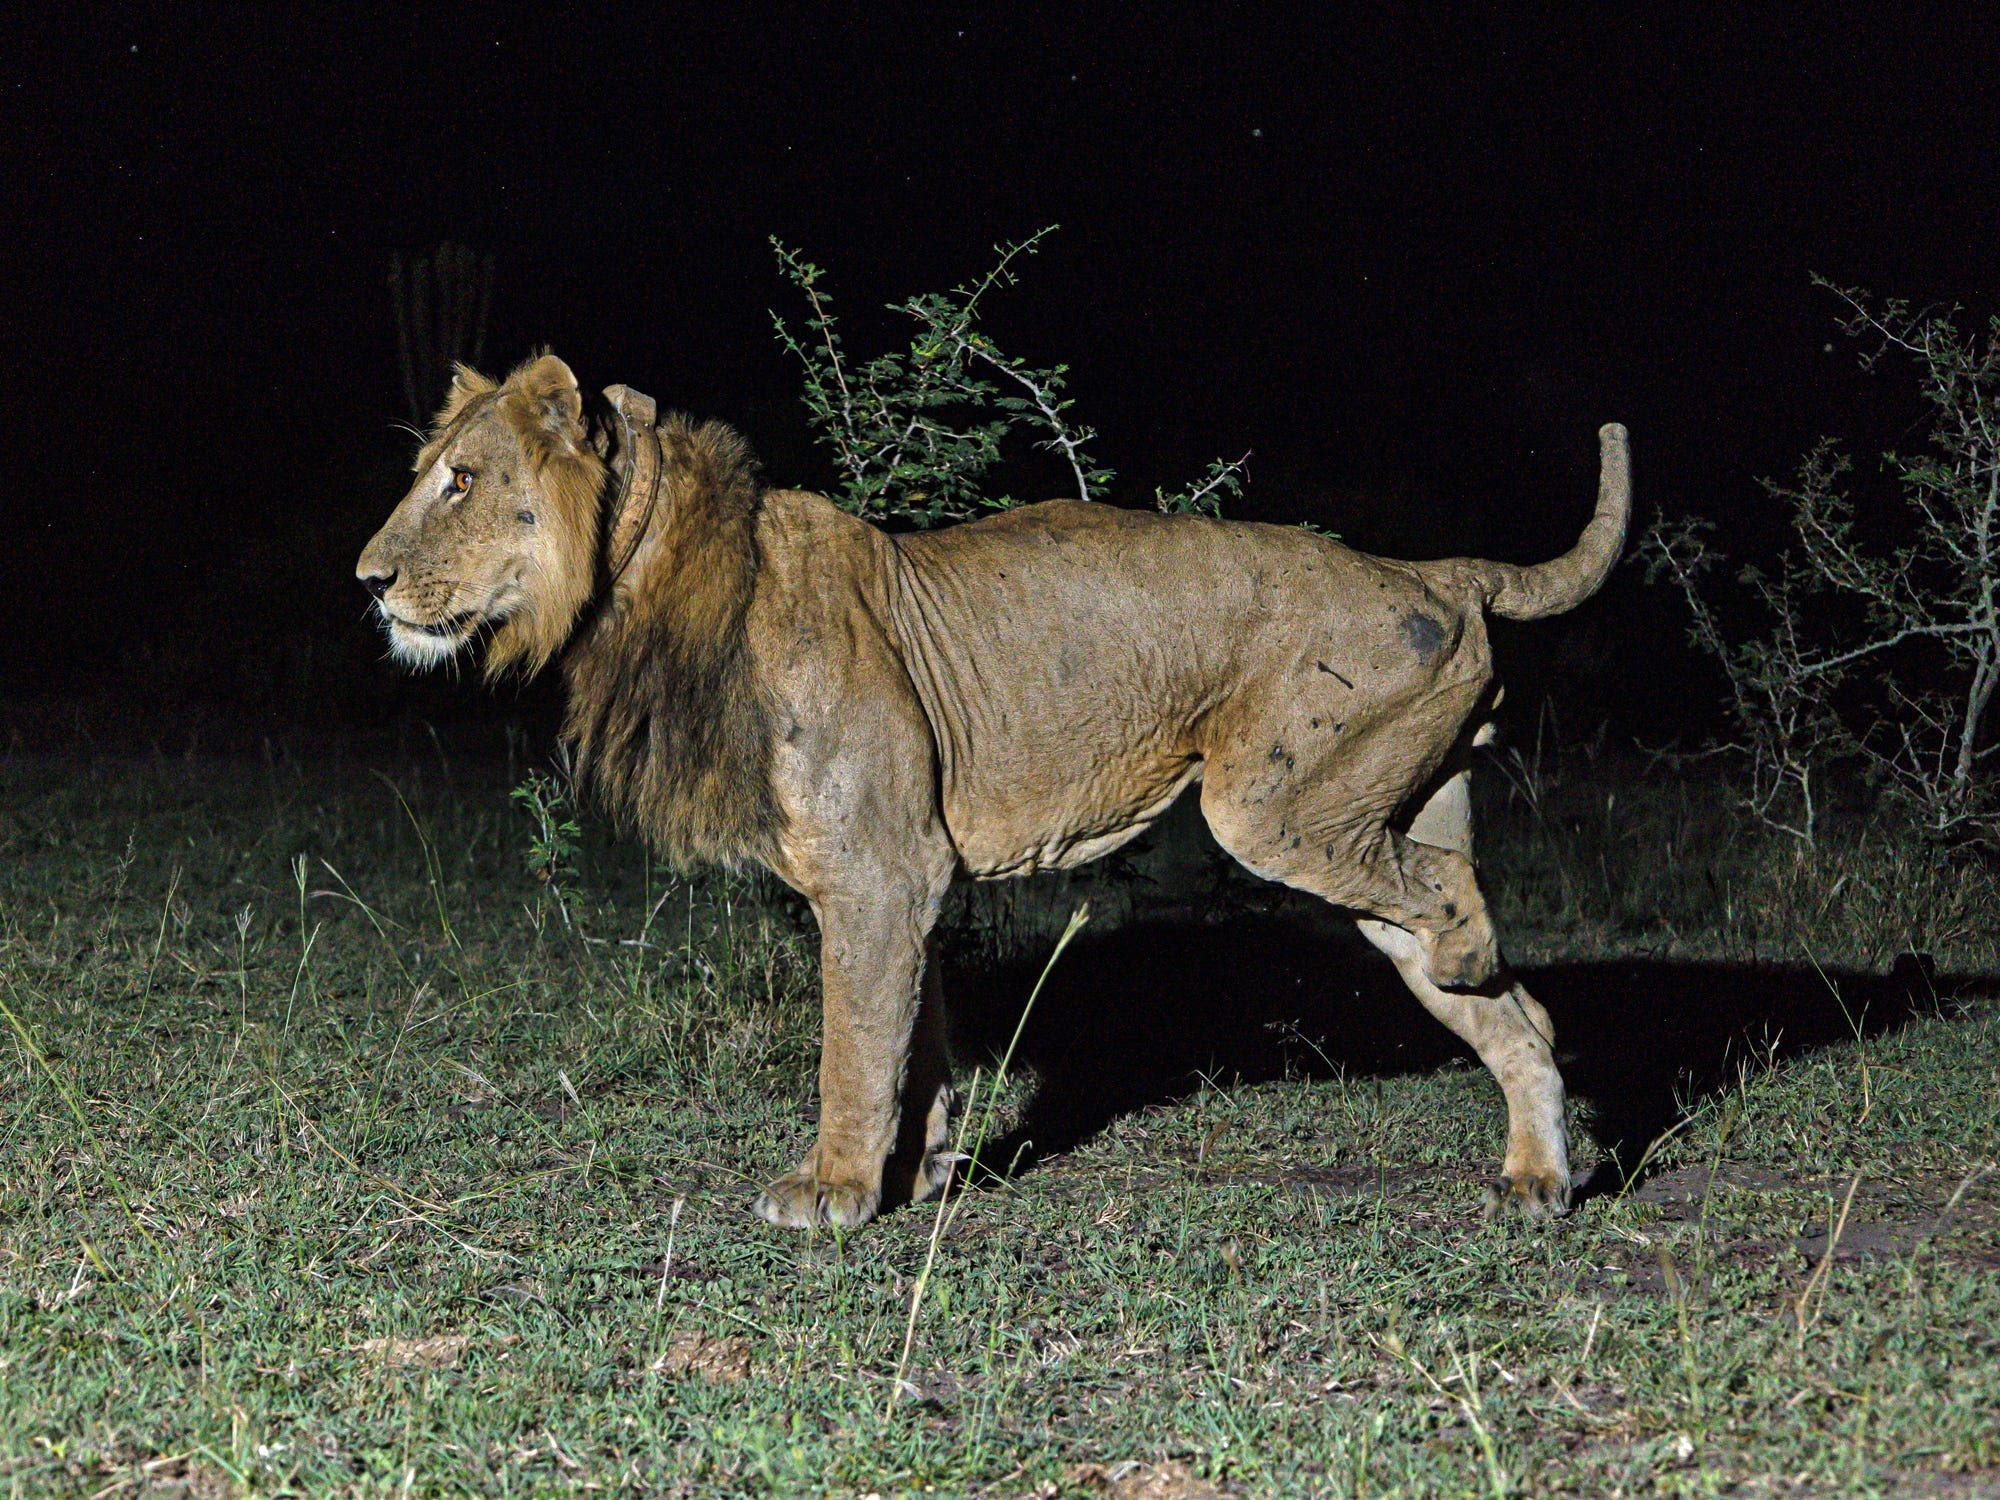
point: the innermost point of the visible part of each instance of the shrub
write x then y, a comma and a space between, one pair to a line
1881, 631
916, 432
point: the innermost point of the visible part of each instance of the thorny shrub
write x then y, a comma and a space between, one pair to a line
1880, 652
916, 432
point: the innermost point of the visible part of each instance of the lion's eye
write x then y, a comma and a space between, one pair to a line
461, 481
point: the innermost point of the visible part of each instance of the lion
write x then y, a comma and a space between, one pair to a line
757, 676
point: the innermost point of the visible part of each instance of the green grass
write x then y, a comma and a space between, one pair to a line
331, 1159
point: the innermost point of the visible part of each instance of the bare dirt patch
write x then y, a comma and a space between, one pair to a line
719, 1361
438, 1352
1132, 1480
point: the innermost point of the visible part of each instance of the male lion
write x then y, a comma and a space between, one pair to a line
757, 675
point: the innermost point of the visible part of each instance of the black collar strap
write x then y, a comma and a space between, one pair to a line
639, 484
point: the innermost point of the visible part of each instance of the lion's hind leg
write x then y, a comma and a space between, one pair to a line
1326, 838
1417, 898
1507, 1027
1510, 1032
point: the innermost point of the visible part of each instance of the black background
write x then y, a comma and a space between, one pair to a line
1411, 257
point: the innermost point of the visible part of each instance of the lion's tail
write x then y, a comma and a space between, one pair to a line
1528, 593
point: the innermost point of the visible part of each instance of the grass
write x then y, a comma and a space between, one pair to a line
333, 1160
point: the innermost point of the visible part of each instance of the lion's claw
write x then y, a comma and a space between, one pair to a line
935, 1175
799, 1200
1527, 1195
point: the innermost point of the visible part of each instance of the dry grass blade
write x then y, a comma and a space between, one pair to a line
1805, 1310
948, 1201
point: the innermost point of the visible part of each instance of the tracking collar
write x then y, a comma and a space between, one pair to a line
639, 483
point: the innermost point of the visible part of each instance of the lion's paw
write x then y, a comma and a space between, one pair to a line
1527, 1195
800, 1200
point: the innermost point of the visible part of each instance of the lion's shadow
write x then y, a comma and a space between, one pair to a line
1144, 1014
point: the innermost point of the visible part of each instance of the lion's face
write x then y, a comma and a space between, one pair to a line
498, 531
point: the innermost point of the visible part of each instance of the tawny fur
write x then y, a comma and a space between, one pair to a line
769, 679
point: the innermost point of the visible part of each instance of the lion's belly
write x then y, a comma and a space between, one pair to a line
1000, 834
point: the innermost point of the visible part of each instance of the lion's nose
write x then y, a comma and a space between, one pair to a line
377, 583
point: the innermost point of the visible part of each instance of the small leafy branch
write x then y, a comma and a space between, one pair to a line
1205, 499
552, 843
915, 432
1883, 654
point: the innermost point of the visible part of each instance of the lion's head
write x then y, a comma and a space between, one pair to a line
499, 532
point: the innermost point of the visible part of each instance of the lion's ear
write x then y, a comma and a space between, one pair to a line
549, 392
467, 384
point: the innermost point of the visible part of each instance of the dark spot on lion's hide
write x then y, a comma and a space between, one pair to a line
1424, 634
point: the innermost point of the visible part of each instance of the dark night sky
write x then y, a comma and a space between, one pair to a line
1411, 260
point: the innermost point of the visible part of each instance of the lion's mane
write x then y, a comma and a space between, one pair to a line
670, 724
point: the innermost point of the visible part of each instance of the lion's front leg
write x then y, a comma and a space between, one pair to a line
873, 957
921, 1164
